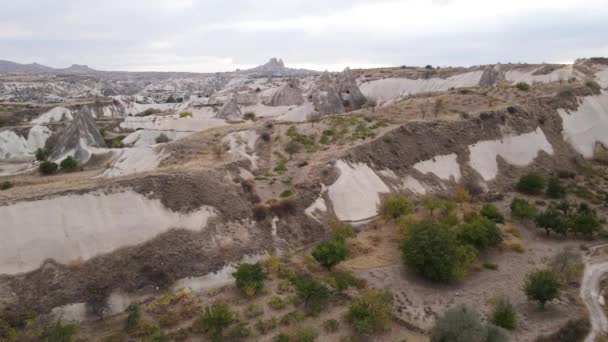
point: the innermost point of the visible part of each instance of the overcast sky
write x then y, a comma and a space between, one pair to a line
222, 35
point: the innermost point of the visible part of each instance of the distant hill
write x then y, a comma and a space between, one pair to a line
12, 67
276, 67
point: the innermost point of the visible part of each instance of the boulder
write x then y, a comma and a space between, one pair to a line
325, 96
288, 94
347, 87
78, 138
230, 111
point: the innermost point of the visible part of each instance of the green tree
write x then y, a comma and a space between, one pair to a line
521, 209
215, 319
432, 203
59, 332
69, 164
504, 314
133, 316
250, 278
552, 220
311, 291
490, 211
42, 154
371, 312
555, 188
431, 250
461, 195
531, 184
542, 286
393, 207
480, 232
47, 167
330, 252
292, 147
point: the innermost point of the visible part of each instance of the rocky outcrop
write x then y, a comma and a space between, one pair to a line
325, 96
78, 138
288, 94
230, 111
348, 89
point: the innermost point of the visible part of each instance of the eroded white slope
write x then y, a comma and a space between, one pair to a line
519, 150
145, 137
127, 161
14, 146
445, 167
356, 193
587, 125
602, 78
78, 227
242, 144
54, 115
562, 74
389, 89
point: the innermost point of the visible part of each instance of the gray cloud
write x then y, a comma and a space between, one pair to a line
215, 35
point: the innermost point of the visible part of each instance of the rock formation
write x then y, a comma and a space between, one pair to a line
78, 137
489, 76
325, 96
348, 89
230, 111
288, 94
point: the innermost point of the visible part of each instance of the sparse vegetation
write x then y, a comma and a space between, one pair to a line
552, 221
133, 316
542, 286
463, 324
311, 292
292, 148
521, 209
370, 313
249, 116
554, 188
60, 332
480, 232
117, 143
215, 319
150, 111
42, 154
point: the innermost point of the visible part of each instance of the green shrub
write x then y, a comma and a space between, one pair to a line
282, 337
584, 222
6, 185
531, 184
133, 316
59, 332
306, 334
431, 249
432, 203
490, 266
253, 310
286, 193
117, 143
542, 286
311, 292
490, 211
393, 207
523, 86
555, 189
480, 233
341, 280
7, 332
250, 278
47, 167
277, 303
572, 331
292, 147
552, 220
265, 326
371, 312
292, 318
185, 114
504, 314
330, 252
463, 324
150, 111
249, 116
331, 325
215, 319
42, 154
162, 139
158, 336
281, 167
68, 164
239, 332
521, 209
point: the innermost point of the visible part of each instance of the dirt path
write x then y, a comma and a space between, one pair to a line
590, 293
